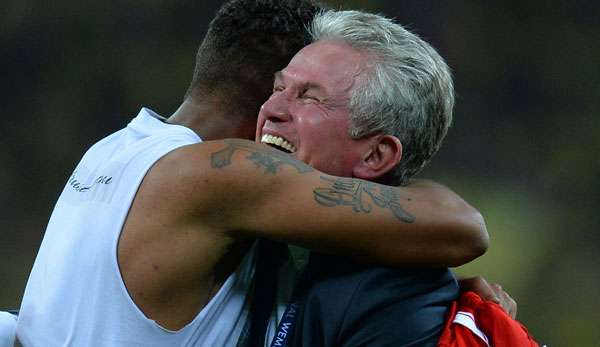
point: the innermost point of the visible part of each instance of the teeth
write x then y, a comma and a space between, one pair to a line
279, 142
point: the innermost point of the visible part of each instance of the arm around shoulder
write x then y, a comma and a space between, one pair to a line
251, 190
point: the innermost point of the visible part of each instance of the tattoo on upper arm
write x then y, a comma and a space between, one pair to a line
357, 193
267, 158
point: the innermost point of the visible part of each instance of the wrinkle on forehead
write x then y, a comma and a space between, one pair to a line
347, 63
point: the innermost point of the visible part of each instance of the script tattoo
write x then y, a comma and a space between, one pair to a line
269, 159
361, 195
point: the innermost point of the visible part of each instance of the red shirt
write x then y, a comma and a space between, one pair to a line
473, 322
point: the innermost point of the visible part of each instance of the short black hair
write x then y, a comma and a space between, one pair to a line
246, 43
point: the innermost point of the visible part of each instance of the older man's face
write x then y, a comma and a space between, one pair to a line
308, 114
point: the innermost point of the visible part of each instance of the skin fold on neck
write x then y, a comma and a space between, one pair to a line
212, 119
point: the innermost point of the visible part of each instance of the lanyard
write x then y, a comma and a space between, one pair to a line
290, 316
287, 324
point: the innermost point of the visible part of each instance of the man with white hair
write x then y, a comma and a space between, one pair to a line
367, 99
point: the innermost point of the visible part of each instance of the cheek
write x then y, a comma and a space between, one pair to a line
332, 132
318, 135
316, 121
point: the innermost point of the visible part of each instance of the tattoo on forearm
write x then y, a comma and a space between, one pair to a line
269, 159
361, 195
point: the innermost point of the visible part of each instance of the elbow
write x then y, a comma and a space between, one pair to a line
474, 241
479, 240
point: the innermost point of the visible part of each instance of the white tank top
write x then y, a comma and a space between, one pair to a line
75, 295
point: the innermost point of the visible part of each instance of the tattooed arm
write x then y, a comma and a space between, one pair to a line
251, 190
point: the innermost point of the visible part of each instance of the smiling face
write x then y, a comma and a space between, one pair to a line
308, 112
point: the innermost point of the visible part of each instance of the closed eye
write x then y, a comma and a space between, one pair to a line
309, 96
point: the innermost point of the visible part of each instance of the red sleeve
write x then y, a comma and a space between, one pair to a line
472, 321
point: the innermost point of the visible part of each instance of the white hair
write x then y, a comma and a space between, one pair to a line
407, 90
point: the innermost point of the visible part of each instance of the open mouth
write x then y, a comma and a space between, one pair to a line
278, 142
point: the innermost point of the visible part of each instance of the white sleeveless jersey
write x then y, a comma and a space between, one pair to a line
75, 295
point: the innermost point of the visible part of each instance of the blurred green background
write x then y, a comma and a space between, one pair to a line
523, 148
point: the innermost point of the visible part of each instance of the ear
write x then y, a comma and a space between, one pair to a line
383, 154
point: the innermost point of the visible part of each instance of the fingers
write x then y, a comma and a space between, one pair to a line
506, 301
480, 286
490, 292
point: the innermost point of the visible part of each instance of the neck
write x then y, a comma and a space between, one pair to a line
211, 120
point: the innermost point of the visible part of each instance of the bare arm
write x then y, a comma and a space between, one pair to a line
251, 190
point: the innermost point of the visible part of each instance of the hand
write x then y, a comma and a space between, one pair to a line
489, 291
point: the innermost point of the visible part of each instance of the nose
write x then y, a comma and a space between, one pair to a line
276, 108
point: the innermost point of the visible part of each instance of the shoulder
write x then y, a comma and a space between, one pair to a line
330, 272
222, 182
193, 166
377, 306
182, 183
